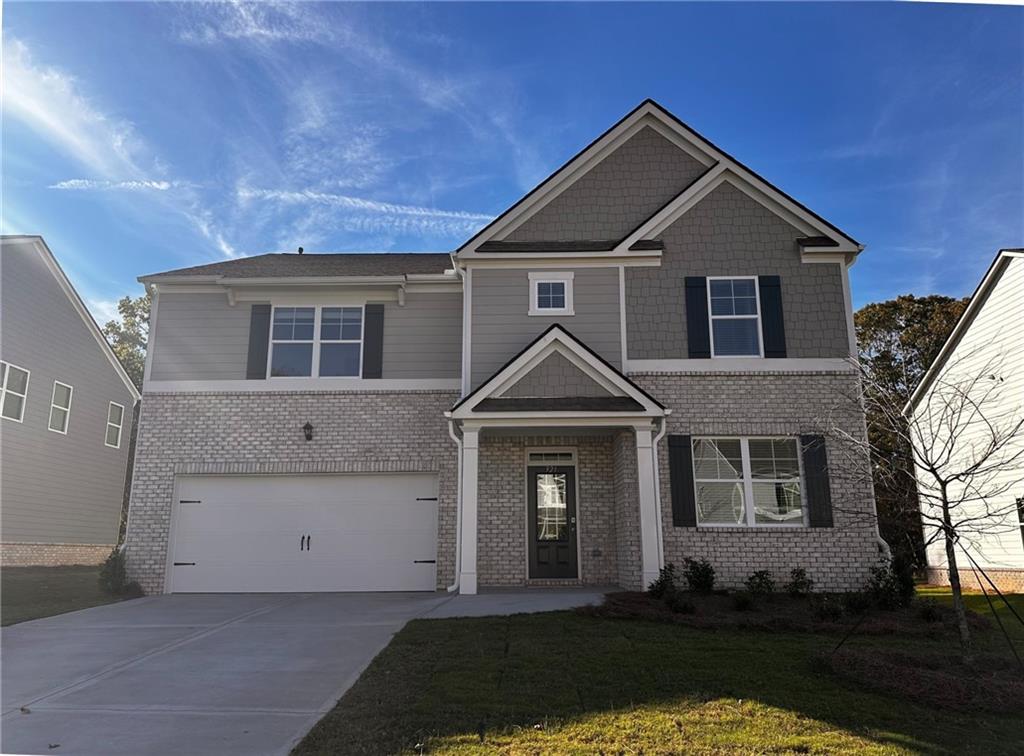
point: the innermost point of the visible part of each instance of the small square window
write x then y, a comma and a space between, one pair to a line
551, 294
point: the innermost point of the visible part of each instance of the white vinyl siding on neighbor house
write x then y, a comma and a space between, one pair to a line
748, 481
734, 313
13, 391
60, 407
992, 344
115, 422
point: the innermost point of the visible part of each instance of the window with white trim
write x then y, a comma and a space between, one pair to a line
551, 293
60, 407
115, 421
748, 481
316, 341
13, 390
734, 309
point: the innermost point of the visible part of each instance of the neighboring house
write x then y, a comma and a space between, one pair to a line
988, 338
631, 366
65, 417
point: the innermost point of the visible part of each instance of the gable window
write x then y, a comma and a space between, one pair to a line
13, 389
551, 293
60, 407
316, 341
115, 421
748, 481
735, 313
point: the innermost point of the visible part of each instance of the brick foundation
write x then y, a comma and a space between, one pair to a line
53, 554
1007, 581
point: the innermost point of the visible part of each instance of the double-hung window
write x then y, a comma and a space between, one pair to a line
734, 307
551, 293
316, 341
13, 390
115, 421
60, 407
748, 481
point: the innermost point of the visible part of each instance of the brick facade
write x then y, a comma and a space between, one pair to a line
53, 554
502, 524
261, 432
1007, 581
774, 403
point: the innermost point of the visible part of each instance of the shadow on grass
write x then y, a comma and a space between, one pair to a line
608, 685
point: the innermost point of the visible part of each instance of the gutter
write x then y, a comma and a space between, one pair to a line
458, 510
657, 492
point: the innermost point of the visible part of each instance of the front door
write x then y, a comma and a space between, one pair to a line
552, 513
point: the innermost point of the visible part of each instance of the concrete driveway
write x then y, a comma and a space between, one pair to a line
208, 673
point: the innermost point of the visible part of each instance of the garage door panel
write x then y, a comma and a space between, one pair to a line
245, 533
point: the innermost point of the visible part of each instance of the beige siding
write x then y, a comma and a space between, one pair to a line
56, 488
200, 337
501, 326
423, 339
993, 342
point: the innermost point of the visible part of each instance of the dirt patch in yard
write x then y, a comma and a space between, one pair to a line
782, 613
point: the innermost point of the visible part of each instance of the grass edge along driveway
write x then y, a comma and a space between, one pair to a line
562, 683
28, 593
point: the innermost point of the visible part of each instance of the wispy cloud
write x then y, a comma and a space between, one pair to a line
103, 310
144, 185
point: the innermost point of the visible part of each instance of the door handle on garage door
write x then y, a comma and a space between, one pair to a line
302, 543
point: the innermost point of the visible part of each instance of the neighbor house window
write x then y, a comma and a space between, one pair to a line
60, 407
115, 421
748, 481
13, 389
551, 293
735, 317
322, 341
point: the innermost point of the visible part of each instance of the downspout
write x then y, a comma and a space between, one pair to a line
458, 510
657, 494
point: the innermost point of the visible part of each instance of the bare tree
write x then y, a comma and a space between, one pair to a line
965, 438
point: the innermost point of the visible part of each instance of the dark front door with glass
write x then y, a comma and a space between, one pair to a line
552, 513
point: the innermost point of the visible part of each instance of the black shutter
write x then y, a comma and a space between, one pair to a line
373, 341
698, 335
680, 473
819, 498
259, 340
773, 329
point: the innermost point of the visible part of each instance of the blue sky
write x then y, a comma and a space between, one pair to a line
139, 137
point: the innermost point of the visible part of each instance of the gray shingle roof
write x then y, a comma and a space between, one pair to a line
293, 265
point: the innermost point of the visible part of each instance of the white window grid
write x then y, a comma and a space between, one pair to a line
316, 341
119, 426
57, 408
747, 481
756, 317
565, 279
5, 368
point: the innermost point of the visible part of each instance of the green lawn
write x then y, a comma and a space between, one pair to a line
28, 593
564, 683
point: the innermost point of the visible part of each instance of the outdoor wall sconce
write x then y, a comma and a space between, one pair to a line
308, 430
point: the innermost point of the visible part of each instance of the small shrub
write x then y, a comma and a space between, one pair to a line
679, 603
826, 609
700, 576
113, 576
665, 583
742, 601
856, 602
929, 610
799, 585
760, 583
885, 587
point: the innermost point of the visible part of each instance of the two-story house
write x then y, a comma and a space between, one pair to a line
630, 366
66, 408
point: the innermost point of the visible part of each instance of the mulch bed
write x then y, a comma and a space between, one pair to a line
992, 683
777, 613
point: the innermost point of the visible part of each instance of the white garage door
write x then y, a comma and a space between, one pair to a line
304, 533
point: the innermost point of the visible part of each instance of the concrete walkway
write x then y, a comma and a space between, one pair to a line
209, 673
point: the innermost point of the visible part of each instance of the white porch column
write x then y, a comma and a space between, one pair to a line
470, 463
649, 525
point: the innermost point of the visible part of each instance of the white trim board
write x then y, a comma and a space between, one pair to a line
742, 365
302, 384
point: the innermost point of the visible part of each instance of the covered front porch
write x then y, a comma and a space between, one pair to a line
558, 474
